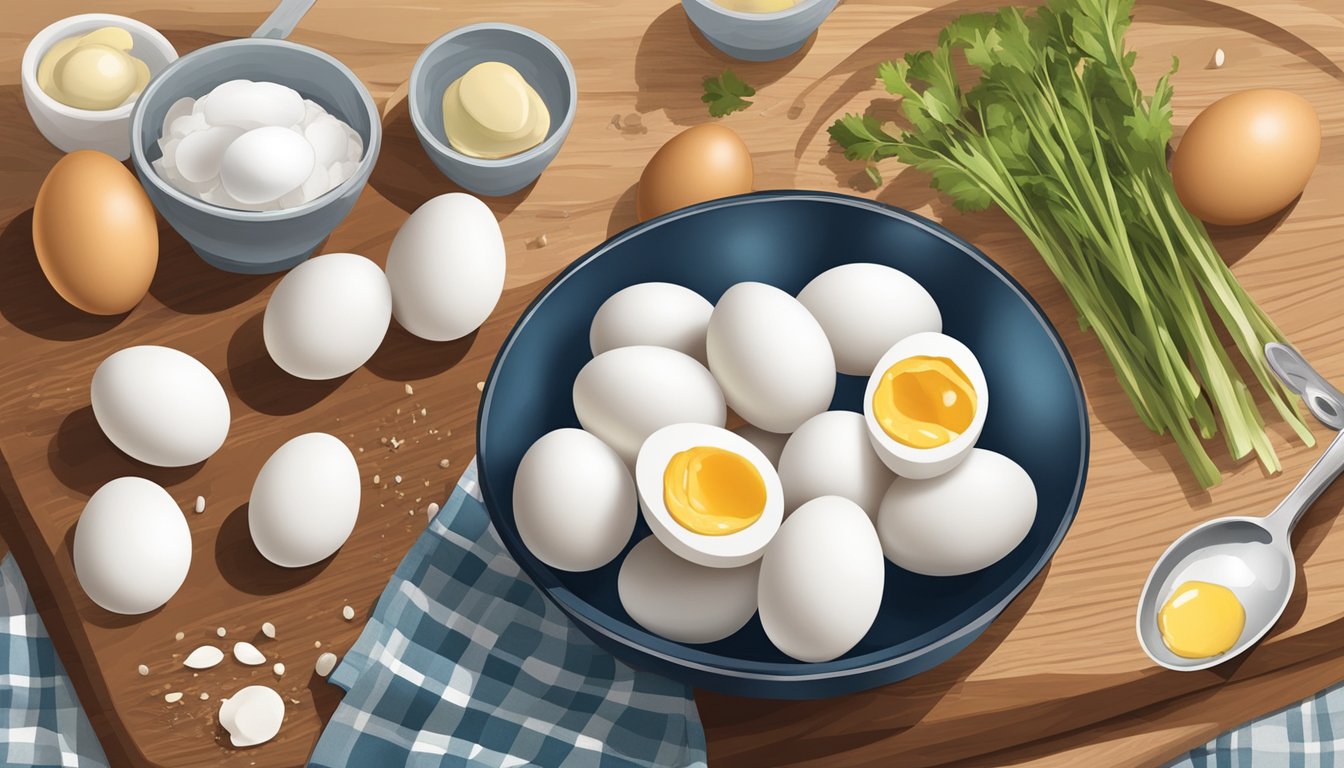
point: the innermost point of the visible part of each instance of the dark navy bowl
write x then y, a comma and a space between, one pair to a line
1038, 418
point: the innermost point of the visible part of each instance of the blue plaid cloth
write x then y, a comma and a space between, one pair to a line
41, 722
464, 662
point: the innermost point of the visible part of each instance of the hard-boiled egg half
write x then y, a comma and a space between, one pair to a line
925, 405
709, 495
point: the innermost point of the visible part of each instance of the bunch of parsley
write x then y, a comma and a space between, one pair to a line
1058, 134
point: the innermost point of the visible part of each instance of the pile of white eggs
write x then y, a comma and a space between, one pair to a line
839, 493
255, 146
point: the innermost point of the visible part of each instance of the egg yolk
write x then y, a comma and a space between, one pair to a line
1201, 620
924, 402
712, 491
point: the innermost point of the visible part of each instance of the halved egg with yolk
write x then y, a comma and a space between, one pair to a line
925, 405
708, 494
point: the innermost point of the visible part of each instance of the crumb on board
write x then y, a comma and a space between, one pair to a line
443, 463
348, 613
142, 669
480, 386
173, 698
410, 390
179, 636
200, 504
221, 631
268, 629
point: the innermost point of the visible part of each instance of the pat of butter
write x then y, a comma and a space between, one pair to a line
492, 112
93, 71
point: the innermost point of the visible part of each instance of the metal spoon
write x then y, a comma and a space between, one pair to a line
1252, 556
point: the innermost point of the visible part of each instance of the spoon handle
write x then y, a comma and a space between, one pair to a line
1328, 467
1324, 401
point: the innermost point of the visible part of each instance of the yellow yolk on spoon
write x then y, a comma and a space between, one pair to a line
1200, 620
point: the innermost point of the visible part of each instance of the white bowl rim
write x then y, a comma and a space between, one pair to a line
556, 136
51, 34
749, 16
140, 160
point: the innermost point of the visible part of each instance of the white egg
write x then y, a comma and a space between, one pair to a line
961, 521
771, 358
198, 155
160, 406
914, 462
682, 601
265, 163
573, 501
769, 443
327, 316
627, 394
831, 455
652, 314
249, 105
132, 546
821, 580
305, 501
702, 483
865, 308
446, 267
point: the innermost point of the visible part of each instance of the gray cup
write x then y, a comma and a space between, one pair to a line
254, 241
541, 63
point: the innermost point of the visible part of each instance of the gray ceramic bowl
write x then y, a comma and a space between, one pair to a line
254, 241
758, 36
541, 63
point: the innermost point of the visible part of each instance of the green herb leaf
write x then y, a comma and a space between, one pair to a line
726, 94
874, 175
1057, 133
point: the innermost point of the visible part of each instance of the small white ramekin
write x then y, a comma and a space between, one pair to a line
68, 128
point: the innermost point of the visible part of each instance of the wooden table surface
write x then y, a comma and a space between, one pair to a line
1058, 680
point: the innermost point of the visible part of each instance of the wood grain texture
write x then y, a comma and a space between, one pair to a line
1058, 680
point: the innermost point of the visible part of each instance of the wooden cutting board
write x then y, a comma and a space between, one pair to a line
1058, 680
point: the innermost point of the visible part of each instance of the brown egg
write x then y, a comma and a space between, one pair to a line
702, 163
94, 233
1246, 156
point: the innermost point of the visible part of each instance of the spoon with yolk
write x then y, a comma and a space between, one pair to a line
1220, 587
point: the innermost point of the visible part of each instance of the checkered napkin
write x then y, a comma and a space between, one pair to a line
41, 722
465, 662
1300, 736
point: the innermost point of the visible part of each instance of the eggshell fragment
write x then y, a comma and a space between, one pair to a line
95, 234
325, 664
204, 657
327, 135
252, 716
247, 653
